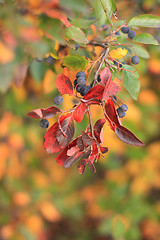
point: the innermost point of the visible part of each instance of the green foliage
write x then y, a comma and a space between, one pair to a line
130, 80
145, 38
145, 21
76, 34
75, 62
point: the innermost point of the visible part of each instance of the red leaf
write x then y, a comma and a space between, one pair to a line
103, 149
64, 84
94, 93
86, 138
79, 112
51, 144
111, 113
82, 166
105, 76
80, 143
98, 130
72, 160
66, 130
72, 151
91, 166
44, 113
62, 156
111, 88
127, 136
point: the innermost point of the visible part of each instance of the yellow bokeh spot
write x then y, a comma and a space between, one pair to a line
118, 53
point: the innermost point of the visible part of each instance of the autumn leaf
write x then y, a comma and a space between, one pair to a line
98, 133
64, 84
105, 75
118, 53
78, 113
44, 112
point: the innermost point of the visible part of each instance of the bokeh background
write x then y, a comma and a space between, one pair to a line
40, 200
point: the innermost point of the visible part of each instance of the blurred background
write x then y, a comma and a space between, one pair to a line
40, 200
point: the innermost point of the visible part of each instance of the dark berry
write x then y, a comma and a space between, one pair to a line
77, 46
75, 82
124, 107
80, 88
125, 30
81, 80
50, 60
86, 89
58, 100
81, 74
104, 27
44, 123
117, 33
135, 59
117, 64
98, 79
131, 34
114, 98
121, 114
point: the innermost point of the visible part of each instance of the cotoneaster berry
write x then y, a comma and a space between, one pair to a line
81, 80
77, 46
50, 60
131, 34
125, 30
124, 107
86, 89
79, 88
44, 123
121, 113
81, 74
98, 79
58, 100
135, 59
75, 82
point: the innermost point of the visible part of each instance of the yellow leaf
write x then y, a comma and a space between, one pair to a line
118, 53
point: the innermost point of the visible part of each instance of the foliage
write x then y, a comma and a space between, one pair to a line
40, 199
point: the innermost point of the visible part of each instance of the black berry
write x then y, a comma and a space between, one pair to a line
114, 98
98, 79
75, 82
58, 100
131, 34
77, 46
125, 30
86, 89
81, 74
117, 33
50, 60
124, 107
80, 88
121, 114
135, 59
44, 123
117, 64
81, 80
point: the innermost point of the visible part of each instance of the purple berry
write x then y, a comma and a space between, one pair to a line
117, 33
124, 107
86, 89
79, 88
114, 98
81, 80
131, 34
125, 30
98, 79
50, 60
44, 123
81, 74
135, 59
121, 114
58, 100
77, 46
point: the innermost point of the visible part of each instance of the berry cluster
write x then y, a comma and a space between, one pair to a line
131, 35
80, 82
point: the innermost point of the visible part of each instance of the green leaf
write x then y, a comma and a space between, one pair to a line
141, 51
99, 12
119, 229
76, 34
75, 62
145, 38
130, 80
38, 70
6, 76
109, 8
83, 23
145, 21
